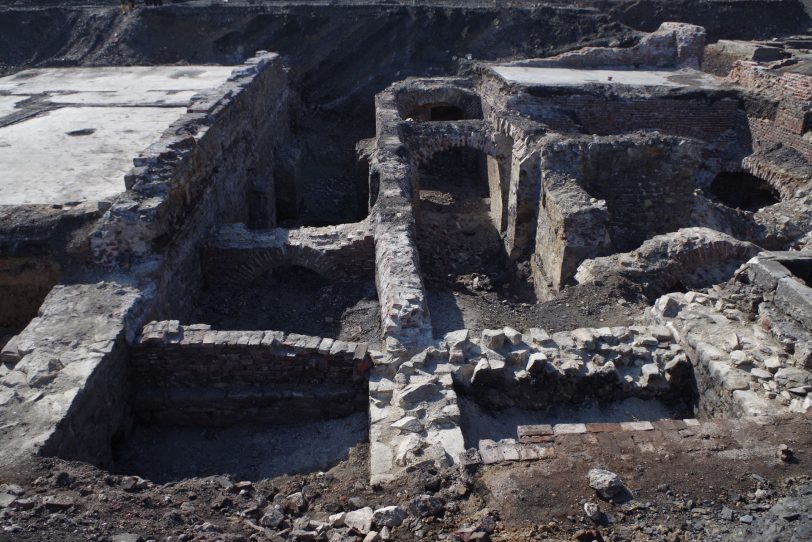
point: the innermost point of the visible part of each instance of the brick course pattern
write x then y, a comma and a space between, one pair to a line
339, 253
198, 376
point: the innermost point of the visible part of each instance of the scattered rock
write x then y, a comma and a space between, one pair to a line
593, 512
360, 520
272, 518
785, 453
389, 516
606, 483
424, 506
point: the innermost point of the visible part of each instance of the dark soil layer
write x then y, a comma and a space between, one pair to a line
700, 487
613, 302
294, 300
341, 55
246, 452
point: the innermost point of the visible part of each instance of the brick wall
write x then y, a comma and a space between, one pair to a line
192, 375
338, 253
704, 118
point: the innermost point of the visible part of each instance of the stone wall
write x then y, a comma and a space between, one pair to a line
571, 228
705, 115
405, 318
537, 370
192, 375
778, 116
199, 174
338, 253
646, 181
602, 195
750, 344
64, 382
73, 357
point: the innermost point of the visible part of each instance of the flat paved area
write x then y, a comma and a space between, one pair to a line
556, 77
70, 135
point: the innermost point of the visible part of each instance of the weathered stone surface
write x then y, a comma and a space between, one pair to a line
424, 506
606, 483
389, 516
360, 520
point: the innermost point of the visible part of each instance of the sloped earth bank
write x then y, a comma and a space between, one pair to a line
341, 55
708, 486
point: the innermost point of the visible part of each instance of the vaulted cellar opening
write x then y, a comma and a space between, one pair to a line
741, 190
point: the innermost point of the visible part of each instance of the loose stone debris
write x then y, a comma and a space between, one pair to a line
446, 271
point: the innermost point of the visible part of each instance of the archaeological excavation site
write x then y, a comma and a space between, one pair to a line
437, 270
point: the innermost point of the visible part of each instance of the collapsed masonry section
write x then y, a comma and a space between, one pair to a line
748, 339
442, 401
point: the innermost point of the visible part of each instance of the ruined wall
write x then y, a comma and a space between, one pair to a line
603, 195
688, 258
405, 318
338, 253
191, 375
538, 370
74, 356
571, 228
779, 119
647, 183
73, 359
199, 174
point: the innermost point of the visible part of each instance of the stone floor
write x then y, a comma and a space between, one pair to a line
69, 135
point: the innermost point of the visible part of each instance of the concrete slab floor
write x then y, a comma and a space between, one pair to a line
574, 77
86, 125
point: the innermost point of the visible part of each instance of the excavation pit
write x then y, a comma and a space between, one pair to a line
480, 424
296, 300
470, 281
241, 402
249, 451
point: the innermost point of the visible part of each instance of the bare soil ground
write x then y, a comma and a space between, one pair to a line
470, 282
245, 452
704, 485
294, 300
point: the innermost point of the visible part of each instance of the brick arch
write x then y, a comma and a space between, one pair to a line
337, 253
429, 144
254, 264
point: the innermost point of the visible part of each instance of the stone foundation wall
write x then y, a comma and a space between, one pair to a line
64, 381
647, 183
603, 195
192, 375
571, 228
199, 174
338, 253
537, 370
405, 318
